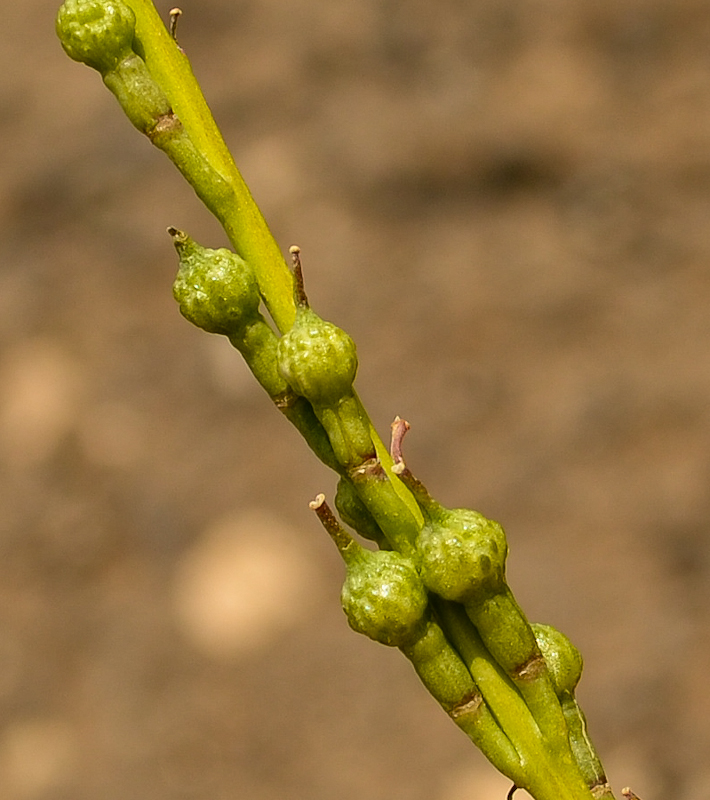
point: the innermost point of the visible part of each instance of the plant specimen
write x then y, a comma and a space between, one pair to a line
435, 586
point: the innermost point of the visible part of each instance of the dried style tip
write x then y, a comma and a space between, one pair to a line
629, 795
175, 14
399, 429
425, 501
298, 290
342, 539
317, 502
179, 237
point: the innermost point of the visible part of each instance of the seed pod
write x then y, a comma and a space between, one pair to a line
462, 554
563, 660
98, 33
317, 359
462, 560
216, 289
384, 598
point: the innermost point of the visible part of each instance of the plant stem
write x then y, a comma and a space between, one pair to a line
549, 774
226, 194
233, 205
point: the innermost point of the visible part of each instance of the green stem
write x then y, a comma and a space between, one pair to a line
548, 774
232, 204
583, 749
445, 675
510, 639
257, 344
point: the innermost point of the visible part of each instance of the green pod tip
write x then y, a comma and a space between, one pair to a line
564, 661
384, 598
317, 359
462, 554
98, 33
216, 289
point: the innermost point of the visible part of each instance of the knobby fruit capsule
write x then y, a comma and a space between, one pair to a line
384, 598
317, 359
98, 33
462, 554
216, 289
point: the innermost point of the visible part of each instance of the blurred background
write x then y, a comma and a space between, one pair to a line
507, 205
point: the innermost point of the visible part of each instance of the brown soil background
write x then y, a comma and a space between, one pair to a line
507, 204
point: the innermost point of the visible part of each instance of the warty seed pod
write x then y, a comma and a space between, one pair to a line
216, 289
98, 33
317, 359
384, 598
462, 554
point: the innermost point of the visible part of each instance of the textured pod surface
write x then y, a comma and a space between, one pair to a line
563, 659
462, 555
384, 598
98, 33
216, 289
317, 359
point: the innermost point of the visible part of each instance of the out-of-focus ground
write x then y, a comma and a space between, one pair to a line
507, 204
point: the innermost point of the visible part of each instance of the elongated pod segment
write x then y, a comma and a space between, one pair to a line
446, 677
564, 663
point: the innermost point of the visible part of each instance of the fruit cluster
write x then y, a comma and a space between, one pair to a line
436, 586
